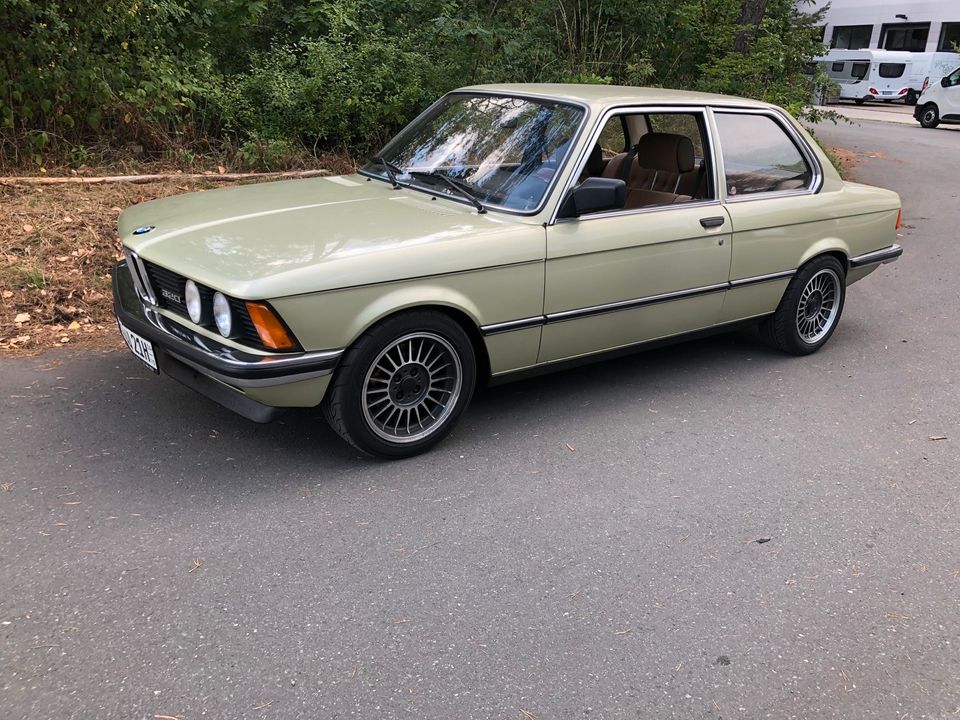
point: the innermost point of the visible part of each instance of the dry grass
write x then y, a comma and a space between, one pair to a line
58, 244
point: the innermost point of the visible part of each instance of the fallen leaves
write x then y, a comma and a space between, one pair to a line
6, 487
57, 248
197, 564
938, 437
527, 714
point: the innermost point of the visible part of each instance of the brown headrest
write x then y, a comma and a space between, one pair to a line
666, 152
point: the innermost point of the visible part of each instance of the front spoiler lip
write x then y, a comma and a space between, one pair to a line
219, 361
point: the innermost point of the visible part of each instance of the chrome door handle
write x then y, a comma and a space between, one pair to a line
712, 222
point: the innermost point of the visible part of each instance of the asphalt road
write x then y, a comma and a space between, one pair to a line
585, 545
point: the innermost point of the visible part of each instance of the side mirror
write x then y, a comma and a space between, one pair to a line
595, 195
945, 81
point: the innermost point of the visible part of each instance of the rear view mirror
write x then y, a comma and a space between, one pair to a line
595, 195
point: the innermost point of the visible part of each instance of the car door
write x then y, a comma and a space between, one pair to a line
629, 276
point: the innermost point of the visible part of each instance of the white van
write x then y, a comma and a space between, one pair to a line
933, 66
940, 102
886, 75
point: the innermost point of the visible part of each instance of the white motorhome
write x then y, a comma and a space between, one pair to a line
872, 75
929, 30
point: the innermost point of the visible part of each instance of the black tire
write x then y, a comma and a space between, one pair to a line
929, 116
418, 366
859, 101
810, 308
911, 98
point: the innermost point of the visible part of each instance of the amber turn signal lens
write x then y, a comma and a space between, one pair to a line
272, 332
899, 219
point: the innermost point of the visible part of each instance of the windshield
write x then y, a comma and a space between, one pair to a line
505, 151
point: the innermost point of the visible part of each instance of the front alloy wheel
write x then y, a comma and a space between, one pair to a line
929, 116
810, 309
403, 385
412, 387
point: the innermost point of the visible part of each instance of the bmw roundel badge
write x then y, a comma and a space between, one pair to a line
143, 229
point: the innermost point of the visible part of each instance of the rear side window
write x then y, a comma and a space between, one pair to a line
859, 70
759, 156
892, 70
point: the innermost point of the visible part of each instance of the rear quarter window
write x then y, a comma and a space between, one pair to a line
759, 156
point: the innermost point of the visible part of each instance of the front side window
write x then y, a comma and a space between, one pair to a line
667, 164
954, 78
759, 156
503, 150
892, 70
613, 138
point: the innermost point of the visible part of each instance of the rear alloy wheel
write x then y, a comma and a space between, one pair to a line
810, 309
401, 388
929, 116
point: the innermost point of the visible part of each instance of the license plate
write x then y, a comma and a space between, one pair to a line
140, 347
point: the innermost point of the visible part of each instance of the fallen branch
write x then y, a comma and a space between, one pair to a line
137, 179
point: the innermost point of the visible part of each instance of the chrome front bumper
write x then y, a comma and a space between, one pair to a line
217, 370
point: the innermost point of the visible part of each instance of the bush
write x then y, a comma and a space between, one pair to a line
274, 78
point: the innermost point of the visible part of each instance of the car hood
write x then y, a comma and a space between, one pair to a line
293, 237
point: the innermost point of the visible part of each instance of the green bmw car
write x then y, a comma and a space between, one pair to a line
508, 229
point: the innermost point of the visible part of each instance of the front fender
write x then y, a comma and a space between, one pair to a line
336, 318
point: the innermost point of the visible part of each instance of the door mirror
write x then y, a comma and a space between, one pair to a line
945, 81
595, 195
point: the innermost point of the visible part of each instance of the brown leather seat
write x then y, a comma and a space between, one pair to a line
663, 162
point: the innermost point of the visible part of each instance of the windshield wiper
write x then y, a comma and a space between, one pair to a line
460, 187
391, 169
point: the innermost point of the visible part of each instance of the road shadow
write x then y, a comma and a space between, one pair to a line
111, 415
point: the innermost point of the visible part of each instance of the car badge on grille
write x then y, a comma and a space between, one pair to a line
143, 229
171, 296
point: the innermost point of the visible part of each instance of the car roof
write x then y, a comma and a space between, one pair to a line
605, 95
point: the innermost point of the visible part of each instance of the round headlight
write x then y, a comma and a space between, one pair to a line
194, 307
221, 314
